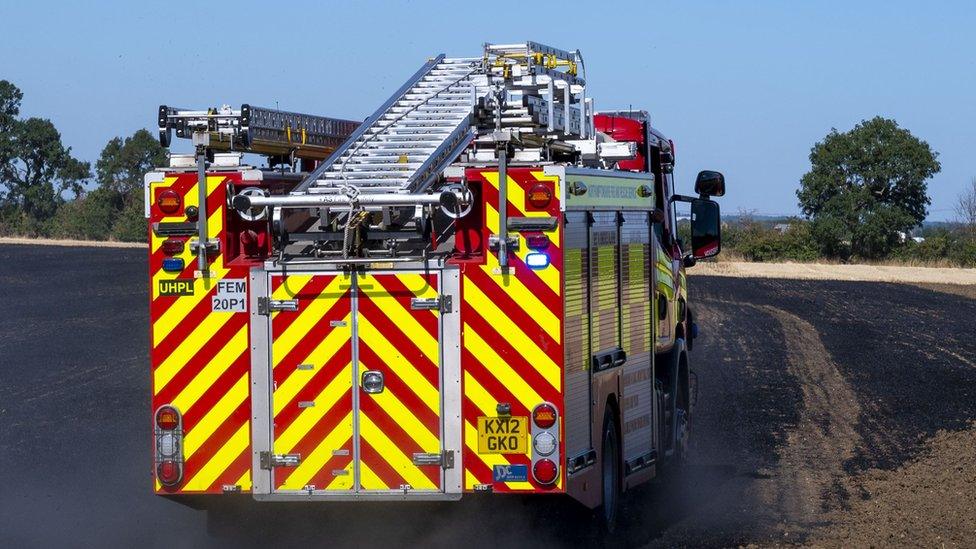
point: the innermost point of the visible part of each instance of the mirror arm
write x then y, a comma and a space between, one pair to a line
682, 198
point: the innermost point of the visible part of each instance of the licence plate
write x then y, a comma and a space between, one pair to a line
503, 435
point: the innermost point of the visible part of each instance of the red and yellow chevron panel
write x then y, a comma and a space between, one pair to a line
311, 357
404, 346
512, 350
313, 354
200, 351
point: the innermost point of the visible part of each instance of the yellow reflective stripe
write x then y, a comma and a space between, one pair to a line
202, 382
306, 420
549, 275
314, 462
407, 421
183, 305
290, 287
308, 316
515, 336
402, 318
490, 460
215, 417
370, 480
392, 454
197, 340
511, 285
396, 362
221, 460
500, 368
245, 481
318, 357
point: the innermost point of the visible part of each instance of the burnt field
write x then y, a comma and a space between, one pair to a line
827, 413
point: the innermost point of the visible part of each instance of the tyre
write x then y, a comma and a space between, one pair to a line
610, 463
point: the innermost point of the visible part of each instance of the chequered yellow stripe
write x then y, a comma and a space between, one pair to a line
310, 313
396, 362
407, 421
322, 453
535, 356
516, 197
196, 437
336, 389
393, 455
220, 460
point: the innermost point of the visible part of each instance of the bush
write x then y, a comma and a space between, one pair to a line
88, 218
757, 242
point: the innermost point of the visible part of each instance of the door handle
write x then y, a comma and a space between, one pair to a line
372, 382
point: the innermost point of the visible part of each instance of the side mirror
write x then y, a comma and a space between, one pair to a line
706, 228
710, 183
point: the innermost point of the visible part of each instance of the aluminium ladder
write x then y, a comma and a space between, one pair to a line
406, 143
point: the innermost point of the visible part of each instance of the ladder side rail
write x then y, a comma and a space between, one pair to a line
448, 150
311, 178
401, 116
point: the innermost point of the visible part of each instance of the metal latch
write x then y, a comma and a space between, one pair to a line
513, 243
445, 459
444, 303
266, 305
270, 461
212, 245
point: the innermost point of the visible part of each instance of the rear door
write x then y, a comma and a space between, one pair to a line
399, 421
356, 376
312, 390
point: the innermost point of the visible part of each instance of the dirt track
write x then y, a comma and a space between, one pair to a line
817, 422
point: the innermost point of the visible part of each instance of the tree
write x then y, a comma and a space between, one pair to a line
10, 97
120, 170
866, 185
966, 206
123, 163
39, 170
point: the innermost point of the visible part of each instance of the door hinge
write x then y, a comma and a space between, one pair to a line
270, 461
445, 459
266, 305
444, 304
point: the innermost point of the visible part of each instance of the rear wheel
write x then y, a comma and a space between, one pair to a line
610, 460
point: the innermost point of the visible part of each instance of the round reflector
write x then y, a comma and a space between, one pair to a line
167, 418
539, 195
545, 471
544, 416
168, 472
544, 444
169, 201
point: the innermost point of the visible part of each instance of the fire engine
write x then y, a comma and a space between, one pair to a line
479, 288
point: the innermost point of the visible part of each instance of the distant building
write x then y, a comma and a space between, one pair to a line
782, 228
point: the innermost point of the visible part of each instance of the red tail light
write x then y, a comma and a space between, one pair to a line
169, 445
545, 471
537, 241
540, 195
169, 201
168, 472
544, 416
172, 246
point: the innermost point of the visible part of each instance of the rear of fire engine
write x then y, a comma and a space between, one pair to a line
476, 289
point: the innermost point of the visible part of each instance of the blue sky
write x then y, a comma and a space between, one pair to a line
742, 87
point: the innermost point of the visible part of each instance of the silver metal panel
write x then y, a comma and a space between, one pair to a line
451, 423
260, 331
